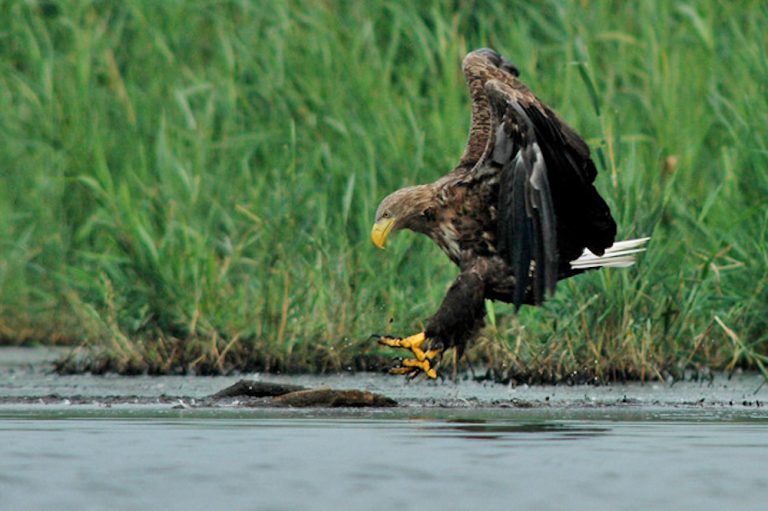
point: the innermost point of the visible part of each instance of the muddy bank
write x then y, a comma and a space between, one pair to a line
324, 398
304, 398
244, 393
26, 379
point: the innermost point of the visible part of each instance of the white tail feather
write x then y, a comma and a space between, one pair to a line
618, 255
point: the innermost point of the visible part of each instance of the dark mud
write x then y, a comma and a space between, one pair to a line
26, 379
244, 394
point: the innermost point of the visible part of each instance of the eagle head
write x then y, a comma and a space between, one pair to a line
407, 208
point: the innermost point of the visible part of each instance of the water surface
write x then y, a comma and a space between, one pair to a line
96, 459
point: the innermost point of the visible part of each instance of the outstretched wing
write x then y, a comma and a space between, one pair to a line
548, 207
480, 66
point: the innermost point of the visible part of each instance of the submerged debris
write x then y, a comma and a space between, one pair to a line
252, 388
332, 398
260, 394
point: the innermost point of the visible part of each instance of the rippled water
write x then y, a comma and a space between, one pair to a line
511, 459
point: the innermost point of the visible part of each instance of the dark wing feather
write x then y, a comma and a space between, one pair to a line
527, 229
584, 219
549, 209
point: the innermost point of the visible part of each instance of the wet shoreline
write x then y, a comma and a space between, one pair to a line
26, 380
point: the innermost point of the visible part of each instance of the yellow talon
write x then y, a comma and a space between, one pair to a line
422, 360
410, 343
424, 365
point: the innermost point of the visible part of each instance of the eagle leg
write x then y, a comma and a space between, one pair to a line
423, 358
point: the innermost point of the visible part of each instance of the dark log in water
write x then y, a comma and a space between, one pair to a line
283, 394
334, 398
253, 388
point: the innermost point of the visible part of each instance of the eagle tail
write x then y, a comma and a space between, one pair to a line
619, 255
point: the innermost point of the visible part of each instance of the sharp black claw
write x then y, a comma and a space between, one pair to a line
379, 338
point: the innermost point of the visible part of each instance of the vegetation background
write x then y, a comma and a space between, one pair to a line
189, 186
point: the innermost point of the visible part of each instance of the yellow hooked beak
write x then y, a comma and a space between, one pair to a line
381, 230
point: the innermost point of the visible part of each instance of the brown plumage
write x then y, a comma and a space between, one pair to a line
515, 211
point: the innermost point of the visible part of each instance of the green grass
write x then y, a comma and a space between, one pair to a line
189, 186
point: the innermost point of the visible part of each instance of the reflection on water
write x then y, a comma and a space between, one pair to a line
366, 462
494, 430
